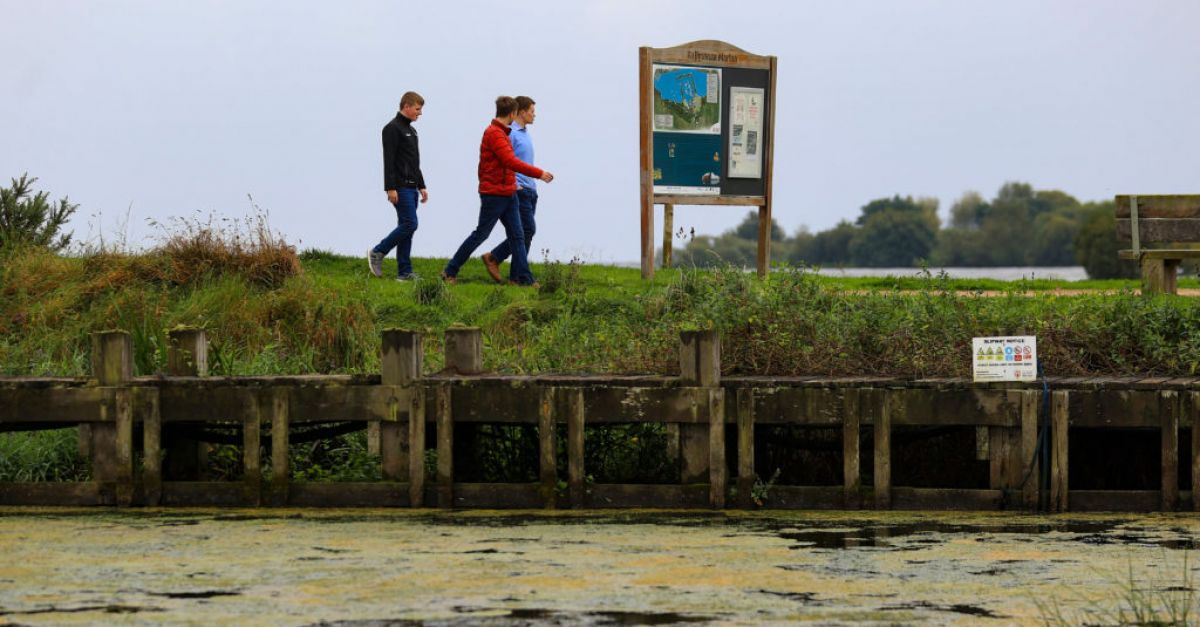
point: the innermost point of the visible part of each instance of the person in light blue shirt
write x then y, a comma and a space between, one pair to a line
527, 196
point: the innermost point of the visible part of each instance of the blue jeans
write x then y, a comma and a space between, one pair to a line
401, 237
491, 209
527, 201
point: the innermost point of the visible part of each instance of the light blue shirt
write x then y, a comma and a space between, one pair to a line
523, 148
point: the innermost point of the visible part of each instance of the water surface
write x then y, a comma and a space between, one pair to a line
376, 567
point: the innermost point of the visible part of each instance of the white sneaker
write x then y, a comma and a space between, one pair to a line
375, 262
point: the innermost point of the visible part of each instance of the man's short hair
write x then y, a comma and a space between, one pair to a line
505, 105
411, 98
524, 102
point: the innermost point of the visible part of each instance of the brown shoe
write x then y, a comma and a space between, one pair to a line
493, 267
450, 280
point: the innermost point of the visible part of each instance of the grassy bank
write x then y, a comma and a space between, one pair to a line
322, 313
270, 311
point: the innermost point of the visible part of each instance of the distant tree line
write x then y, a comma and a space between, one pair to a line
1021, 226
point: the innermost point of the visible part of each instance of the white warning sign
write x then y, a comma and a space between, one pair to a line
1004, 358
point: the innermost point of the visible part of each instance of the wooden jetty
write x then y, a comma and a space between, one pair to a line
704, 414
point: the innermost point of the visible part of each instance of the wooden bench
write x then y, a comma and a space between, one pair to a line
1170, 222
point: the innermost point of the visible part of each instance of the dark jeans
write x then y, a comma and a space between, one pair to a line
491, 209
527, 201
401, 237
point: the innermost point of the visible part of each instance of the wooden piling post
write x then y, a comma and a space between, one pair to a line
745, 423
400, 365
124, 450
883, 449
1194, 415
187, 356
280, 471
445, 446
699, 366
717, 468
1059, 425
112, 366
1169, 410
1029, 465
575, 451
852, 404
1005, 454
416, 448
547, 466
668, 227
187, 352
464, 350
151, 447
251, 454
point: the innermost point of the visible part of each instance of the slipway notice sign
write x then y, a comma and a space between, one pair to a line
1004, 358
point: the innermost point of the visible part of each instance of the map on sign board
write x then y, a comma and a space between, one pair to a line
687, 130
687, 99
1004, 358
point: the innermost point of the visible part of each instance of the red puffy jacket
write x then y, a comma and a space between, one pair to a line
497, 162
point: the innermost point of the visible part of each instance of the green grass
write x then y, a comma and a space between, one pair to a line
585, 318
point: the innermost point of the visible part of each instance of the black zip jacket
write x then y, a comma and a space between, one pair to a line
401, 156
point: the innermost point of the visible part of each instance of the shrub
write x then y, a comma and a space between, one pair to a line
32, 220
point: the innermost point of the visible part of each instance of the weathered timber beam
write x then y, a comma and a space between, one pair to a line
1160, 230
922, 406
50, 493
206, 493
1059, 463
807, 497
444, 423
624, 495
1169, 410
498, 495
57, 405
576, 414
517, 402
946, 499
1160, 206
1115, 500
1115, 408
348, 494
306, 403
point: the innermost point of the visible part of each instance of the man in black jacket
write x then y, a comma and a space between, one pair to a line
404, 183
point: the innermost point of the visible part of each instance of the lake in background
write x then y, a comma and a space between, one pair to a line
1064, 273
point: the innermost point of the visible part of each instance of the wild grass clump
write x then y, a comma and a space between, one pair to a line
42, 456
197, 248
557, 277
430, 290
1155, 599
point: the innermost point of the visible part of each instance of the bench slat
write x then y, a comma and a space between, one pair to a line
1160, 253
1161, 230
1161, 206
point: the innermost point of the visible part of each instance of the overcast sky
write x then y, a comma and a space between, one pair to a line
156, 109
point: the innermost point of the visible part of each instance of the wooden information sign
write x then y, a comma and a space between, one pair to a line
707, 136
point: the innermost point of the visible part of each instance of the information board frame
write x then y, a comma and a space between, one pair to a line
736, 69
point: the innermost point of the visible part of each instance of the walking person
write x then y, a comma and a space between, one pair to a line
527, 195
404, 184
498, 196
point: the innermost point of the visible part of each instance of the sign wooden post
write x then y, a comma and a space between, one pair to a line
707, 113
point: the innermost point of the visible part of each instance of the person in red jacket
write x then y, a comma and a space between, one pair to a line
498, 196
